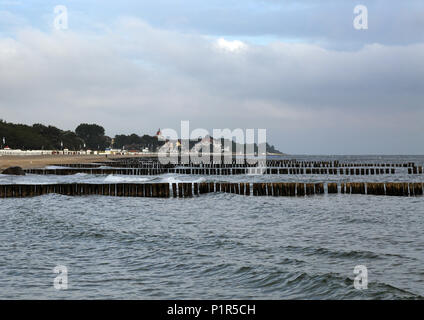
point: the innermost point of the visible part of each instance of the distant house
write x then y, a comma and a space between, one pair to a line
204, 145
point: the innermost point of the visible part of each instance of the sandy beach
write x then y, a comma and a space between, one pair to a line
40, 161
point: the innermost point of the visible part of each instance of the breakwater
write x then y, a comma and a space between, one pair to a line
151, 166
188, 189
215, 171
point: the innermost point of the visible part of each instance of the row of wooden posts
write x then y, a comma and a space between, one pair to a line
188, 189
155, 164
213, 171
415, 170
225, 162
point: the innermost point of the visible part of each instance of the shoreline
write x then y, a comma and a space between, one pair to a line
41, 161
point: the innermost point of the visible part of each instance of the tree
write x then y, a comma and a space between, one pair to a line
135, 142
93, 136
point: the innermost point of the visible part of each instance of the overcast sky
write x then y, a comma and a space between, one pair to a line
296, 68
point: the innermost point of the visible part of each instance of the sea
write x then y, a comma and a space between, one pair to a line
217, 245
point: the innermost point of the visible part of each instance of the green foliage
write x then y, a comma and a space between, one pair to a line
41, 137
135, 142
37, 137
271, 149
93, 135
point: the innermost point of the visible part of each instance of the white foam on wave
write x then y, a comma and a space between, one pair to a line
117, 179
80, 174
174, 179
27, 179
55, 167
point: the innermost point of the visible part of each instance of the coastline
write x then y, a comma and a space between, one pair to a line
40, 161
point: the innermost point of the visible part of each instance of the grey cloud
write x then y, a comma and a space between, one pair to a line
328, 22
137, 78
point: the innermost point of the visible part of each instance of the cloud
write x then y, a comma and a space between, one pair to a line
135, 78
232, 46
327, 22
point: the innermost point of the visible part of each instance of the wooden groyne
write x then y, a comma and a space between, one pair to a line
244, 162
214, 171
188, 189
155, 190
238, 163
152, 166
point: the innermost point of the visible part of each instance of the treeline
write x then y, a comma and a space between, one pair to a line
86, 136
41, 137
37, 137
135, 142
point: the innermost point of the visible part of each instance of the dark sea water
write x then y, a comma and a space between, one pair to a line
216, 246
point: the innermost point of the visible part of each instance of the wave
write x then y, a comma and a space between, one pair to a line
357, 254
80, 174
118, 179
306, 285
55, 167
332, 285
176, 179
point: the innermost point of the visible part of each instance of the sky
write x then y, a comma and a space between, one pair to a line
299, 69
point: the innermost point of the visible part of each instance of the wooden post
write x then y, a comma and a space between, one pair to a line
119, 190
255, 189
140, 190
418, 189
180, 190
126, 190
405, 189
269, 189
133, 190
300, 188
237, 188
292, 189
319, 188
241, 188
310, 189
332, 188
389, 189
174, 189
148, 190
218, 187
275, 189
284, 189
189, 189
105, 190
